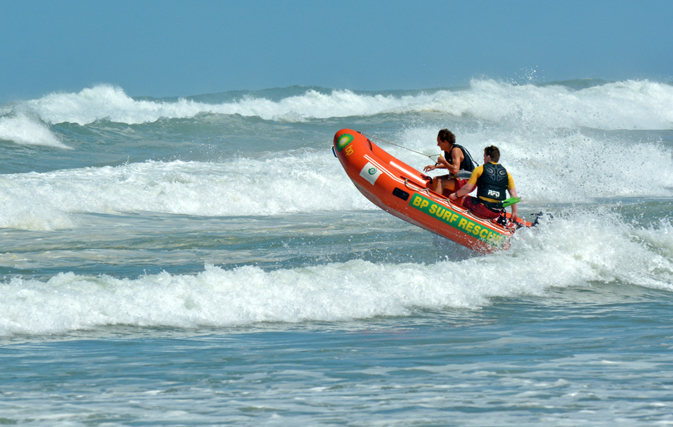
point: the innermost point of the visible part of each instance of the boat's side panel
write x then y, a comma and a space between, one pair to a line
402, 191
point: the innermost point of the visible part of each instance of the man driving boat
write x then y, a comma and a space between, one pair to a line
491, 180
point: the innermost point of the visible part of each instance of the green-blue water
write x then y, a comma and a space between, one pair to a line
206, 261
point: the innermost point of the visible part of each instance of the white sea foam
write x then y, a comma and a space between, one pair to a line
588, 245
561, 165
582, 249
23, 208
554, 168
279, 185
106, 102
25, 131
622, 105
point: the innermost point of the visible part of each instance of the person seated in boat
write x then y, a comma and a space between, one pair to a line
491, 180
456, 159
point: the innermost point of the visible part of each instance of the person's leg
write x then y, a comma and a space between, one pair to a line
445, 185
478, 209
438, 183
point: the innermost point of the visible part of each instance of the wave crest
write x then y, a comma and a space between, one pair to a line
22, 130
621, 105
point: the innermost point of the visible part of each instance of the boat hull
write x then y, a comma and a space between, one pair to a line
400, 190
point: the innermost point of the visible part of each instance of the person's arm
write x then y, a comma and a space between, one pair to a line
457, 158
469, 185
462, 191
515, 209
429, 168
441, 164
512, 192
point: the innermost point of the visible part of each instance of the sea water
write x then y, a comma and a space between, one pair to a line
206, 261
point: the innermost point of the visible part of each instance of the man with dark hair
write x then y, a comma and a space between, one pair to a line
456, 159
491, 180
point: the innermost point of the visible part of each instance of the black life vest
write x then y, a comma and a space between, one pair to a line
493, 185
467, 164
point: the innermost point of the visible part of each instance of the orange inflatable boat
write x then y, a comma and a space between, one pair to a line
399, 189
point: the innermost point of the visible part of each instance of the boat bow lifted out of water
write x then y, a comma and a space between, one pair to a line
400, 190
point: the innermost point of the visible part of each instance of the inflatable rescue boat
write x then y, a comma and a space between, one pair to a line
400, 190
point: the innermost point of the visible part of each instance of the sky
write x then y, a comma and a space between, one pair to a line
181, 48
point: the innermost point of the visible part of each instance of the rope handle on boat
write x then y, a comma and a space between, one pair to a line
415, 188
425, 191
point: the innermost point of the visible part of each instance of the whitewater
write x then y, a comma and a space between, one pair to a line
206, 260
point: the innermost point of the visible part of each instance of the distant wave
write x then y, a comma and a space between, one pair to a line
633, 104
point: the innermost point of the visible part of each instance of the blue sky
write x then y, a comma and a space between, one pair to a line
180, 48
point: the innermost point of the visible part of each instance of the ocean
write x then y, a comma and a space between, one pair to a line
206, 261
